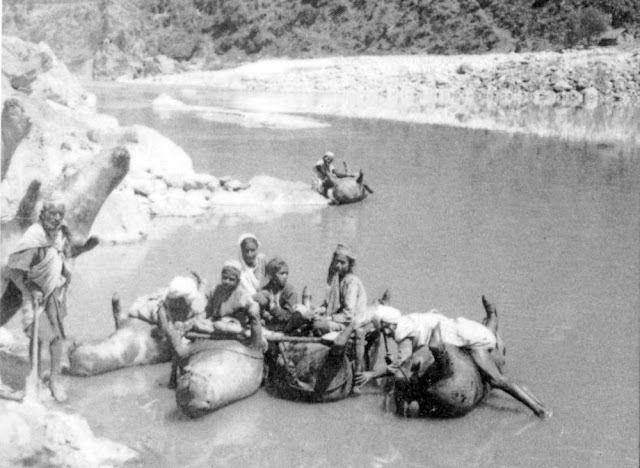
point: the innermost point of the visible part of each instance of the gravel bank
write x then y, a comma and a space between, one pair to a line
484, 91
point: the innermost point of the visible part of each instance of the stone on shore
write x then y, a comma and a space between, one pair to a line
31, 434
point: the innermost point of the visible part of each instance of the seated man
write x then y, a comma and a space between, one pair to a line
182, 300
413, 331
181, 303
229, 304
346, 298
277, 298
326, 173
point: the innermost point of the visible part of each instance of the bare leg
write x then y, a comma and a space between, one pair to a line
116, 309
386, 298
174, 336
333, 362
173, 379
496, 379
57, 389
371, 350
442, 366
359, 345
491, 320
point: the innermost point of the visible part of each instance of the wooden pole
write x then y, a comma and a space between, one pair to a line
274, 339
32, 383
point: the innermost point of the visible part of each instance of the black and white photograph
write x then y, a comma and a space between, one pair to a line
320, 233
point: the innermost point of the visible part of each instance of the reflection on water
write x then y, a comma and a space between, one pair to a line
547, 230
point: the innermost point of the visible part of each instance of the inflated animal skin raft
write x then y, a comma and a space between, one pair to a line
312, 372
441, 380
220, 373
215, 373
133, 344
350, 189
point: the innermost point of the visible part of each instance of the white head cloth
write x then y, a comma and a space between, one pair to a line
183, 286
235, 264
385, 313
248, 235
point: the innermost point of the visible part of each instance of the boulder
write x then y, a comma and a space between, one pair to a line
156, 154
31, 434
166, 66
590, 95
124, 217
561, 86
201, 181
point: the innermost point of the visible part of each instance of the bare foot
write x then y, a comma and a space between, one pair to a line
8, 393
57, 390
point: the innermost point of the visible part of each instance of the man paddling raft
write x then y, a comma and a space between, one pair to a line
413, 332
326, 173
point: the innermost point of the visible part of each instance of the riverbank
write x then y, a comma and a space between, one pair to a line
56, 132
555, 94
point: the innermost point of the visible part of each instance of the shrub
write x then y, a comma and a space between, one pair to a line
586, 24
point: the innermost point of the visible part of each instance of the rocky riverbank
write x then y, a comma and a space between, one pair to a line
569, 79
497, 91
66, 132
35, 434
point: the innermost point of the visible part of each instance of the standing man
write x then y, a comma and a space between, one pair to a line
37, 266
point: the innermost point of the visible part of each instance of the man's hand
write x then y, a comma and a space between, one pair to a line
203, 325
37, 297
91, 243
262, 298
363, 377
253, 311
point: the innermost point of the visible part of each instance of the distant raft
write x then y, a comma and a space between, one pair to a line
346, 190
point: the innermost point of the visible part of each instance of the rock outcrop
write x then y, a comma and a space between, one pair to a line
31, 434
52, 134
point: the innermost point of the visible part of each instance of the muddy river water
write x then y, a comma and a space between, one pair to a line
547, 230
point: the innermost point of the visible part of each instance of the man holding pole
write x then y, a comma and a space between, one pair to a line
38, 268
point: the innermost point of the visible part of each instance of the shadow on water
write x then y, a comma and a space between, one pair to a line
547, 229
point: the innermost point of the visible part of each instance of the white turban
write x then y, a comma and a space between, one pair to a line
183, 286
246, 236
233, 264
384, 313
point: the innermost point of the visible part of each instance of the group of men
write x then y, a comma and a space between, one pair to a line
37, 271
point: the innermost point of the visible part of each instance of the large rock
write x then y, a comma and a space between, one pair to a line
156, 154
31, 434
124, 218
35, 70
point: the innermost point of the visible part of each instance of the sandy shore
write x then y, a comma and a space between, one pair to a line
557, 94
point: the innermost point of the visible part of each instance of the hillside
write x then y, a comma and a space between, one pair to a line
146, 37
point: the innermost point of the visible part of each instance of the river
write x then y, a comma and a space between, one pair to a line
548, 230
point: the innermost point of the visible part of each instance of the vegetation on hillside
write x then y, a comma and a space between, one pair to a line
242, 29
